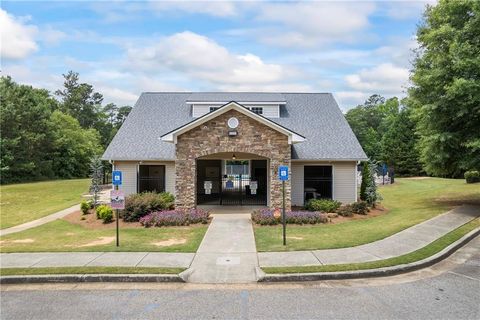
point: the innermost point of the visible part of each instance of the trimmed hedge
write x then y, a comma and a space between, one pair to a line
325, 205
267, 217
141, 204
472, 176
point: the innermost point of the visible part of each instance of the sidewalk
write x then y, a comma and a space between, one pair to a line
39, 222
403, 242
227, 253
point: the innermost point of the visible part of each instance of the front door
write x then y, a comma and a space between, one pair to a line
229, 186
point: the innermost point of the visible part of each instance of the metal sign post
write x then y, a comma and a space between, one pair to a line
117, 181
283, 176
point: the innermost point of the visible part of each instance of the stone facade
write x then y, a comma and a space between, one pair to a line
212, 137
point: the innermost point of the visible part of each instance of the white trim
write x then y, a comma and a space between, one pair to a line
333, 182
273, 103
356, 181
171, 136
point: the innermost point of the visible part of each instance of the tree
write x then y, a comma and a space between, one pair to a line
96, 174
73, 146
445, 94
24, 143
80, 100
368, 187
399, 145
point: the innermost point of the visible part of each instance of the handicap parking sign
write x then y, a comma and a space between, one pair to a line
117, 178
283, 173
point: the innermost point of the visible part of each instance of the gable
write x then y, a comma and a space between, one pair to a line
293, 137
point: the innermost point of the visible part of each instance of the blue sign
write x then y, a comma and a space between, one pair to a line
117, 178
384, 169
229, 184
283, 173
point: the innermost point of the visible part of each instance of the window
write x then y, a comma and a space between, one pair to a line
237, 167
257, 110
317, 182
151, 178
213, 109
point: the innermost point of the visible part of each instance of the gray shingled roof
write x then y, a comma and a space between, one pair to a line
313, 115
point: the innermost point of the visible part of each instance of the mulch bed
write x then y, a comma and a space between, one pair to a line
91, 221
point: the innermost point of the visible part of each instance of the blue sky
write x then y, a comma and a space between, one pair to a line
351, 48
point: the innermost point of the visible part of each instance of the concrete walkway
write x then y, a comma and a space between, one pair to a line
95, 259
39, 222
227, 253
403, 242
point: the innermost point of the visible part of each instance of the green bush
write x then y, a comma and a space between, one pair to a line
472, 176
140, 204
345, 210
325, 205
105, 213
84, 207
360, 207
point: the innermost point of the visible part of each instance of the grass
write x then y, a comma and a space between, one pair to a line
420, 254
88, 270
25, 202
410, 201
61, 235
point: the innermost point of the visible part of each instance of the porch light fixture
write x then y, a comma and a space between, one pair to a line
233, 157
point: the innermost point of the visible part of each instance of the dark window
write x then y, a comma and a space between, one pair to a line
317, 182
213, 108
257, 110
151, 178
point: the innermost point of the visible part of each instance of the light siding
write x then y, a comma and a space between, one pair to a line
269, 111
344, 181
129, 173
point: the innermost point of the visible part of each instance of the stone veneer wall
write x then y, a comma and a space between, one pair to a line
212, 137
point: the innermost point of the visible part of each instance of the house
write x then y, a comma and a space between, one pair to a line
225, 148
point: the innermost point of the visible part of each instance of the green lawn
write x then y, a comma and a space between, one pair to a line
25, 202
60, 235
410, 201
420, 254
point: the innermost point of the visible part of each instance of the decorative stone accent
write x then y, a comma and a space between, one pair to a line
212, 137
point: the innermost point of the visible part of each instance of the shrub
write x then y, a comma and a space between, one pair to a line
141, 204
325, 205
267, 217
175, 218
105, 213
84, 207
472, 176
345, 210
360, 207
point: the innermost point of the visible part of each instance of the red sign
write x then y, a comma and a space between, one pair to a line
117, 199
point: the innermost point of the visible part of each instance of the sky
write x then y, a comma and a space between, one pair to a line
351, 48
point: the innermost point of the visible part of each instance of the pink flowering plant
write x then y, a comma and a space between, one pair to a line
175, 218
267, 217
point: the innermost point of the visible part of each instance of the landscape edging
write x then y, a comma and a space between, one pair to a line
371, 273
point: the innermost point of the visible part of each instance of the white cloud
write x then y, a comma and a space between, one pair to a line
402, 10
385, 78
212, 8
313, 23
17, 37
350, 99
201, 58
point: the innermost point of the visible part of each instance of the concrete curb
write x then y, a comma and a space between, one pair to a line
370, 273
69, 278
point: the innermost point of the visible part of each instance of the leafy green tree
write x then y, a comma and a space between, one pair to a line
80, 100
446, 88
73, 146
24, 141
399, 145
366, 177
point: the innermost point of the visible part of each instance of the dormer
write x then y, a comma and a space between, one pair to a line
268, 109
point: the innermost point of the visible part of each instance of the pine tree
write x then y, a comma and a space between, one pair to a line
96, 172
